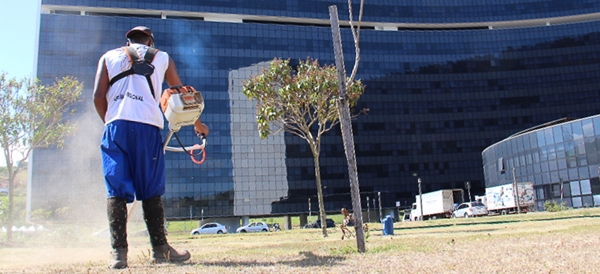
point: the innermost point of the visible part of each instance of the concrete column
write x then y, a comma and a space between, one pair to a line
303, 220
288, 222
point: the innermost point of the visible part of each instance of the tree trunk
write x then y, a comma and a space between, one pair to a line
322, 214
11, 187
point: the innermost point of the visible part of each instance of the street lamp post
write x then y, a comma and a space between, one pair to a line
469, 190
379, 199
375, 207
516, 191
368, 211
309, 210
420, 198
562, 193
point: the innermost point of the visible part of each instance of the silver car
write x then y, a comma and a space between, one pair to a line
210, 228
470, 209
254, 227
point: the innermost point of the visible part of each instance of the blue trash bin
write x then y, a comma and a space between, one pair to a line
388, 225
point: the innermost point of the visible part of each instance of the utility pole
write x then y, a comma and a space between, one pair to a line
346, 127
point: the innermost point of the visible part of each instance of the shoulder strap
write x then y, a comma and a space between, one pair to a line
149, 57
134, 57
131, 54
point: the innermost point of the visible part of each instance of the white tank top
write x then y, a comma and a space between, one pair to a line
130, 98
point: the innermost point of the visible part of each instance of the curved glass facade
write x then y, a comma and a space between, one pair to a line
563, 154
396, 11
437, 97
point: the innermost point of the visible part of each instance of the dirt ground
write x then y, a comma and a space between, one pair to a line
529, 243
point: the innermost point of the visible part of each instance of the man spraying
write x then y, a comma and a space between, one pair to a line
126, 99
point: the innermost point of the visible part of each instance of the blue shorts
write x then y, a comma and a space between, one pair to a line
133, 160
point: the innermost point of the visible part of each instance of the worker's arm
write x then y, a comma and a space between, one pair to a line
172, 78
171, 75
101, 86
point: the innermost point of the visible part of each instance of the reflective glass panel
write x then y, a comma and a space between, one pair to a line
576, 202
586, 188
587, 201
575, 190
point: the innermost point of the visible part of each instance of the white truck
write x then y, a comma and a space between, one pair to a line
501, 199
482, 199
436, 204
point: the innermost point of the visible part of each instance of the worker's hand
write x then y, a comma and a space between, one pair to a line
166, 95
201, 129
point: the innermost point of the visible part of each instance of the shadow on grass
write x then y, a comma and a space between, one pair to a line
309, 259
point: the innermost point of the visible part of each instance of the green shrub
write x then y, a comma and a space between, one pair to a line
40, 215
552, 206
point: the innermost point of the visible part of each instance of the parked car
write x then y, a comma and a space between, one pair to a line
253, 227
3, 191
317, 224
210, 228
470, 209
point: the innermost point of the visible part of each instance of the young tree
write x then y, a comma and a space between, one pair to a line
32, 116
302, 102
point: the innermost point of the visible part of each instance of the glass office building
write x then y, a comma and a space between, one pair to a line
444, 80
561, 159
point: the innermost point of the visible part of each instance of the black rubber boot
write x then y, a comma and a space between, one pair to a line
117, 223
154, 215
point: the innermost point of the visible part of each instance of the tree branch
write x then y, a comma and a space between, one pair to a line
356, 36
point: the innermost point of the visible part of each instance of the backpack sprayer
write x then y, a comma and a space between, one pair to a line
182, 106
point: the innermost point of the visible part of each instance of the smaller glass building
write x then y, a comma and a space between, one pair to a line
561, 158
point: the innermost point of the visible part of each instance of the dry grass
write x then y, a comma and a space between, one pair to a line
564, 242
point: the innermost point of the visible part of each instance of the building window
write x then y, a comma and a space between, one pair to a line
555, 191
575, 190
585, 187
595, 184
540, 193
588, 201
597, 200
566, 189
577, 202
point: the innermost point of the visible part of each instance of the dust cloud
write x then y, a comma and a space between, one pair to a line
69, 183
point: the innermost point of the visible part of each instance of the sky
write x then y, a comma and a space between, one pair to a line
19, 21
